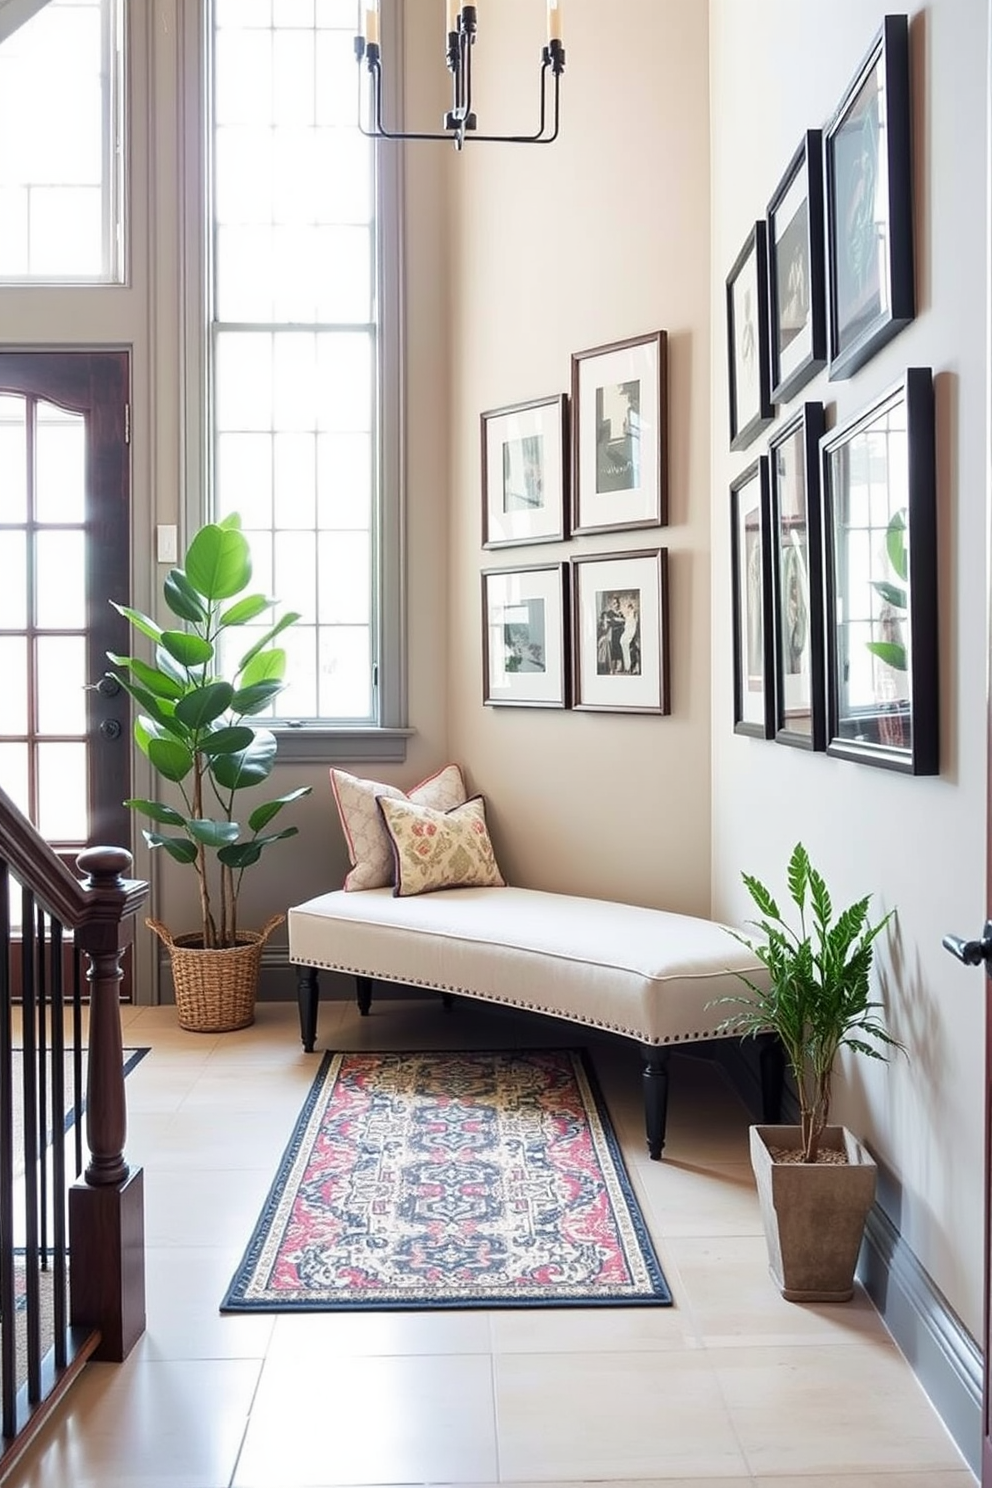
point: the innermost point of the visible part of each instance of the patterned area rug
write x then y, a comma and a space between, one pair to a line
450, 1179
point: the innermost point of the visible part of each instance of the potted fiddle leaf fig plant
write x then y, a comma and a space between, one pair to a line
816, 1182
197, 700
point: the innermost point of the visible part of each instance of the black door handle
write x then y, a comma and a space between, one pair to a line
971, 952
110, 728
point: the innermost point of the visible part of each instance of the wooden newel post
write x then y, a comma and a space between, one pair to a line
106, 1205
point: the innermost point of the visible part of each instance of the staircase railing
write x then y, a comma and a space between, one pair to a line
72, 1267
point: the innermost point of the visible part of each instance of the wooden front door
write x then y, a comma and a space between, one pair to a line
64, 554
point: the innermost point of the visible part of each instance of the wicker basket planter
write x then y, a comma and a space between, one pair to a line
215, 989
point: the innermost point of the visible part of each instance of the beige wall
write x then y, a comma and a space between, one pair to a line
778, 68
558, 249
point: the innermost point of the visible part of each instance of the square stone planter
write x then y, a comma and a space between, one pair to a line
814, 1213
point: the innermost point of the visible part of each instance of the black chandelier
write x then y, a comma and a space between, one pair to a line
460, 123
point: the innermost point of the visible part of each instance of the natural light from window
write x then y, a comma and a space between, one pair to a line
60, 152
294, 336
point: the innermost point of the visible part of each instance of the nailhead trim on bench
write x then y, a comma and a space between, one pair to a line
528, 1007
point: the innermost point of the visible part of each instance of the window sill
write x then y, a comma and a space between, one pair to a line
314, 744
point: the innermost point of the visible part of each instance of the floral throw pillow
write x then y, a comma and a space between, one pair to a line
369, 848
440, 849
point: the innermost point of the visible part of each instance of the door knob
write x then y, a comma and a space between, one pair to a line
971, 952
110, 728
108, 686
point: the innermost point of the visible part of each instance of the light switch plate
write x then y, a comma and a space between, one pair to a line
167, 543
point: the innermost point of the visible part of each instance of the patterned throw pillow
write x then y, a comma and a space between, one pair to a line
440, 849
369, 848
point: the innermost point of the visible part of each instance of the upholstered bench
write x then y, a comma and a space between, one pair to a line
645, 974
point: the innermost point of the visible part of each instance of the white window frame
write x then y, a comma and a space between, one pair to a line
385, 740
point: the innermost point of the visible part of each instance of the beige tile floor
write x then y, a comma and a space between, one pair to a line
731, 1386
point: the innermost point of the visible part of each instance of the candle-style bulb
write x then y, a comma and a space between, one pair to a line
554, 20
372, 26
451, 24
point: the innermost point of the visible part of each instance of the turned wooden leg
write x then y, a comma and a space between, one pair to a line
308, 995
771, 1061
655, 1096
363, 994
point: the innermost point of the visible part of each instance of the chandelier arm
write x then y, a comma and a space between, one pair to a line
539, 138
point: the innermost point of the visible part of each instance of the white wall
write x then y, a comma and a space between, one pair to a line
557, 249
778, 68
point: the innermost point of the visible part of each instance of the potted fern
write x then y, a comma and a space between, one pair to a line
195, 727
816, 1182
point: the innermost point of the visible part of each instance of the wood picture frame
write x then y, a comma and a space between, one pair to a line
880, 532
796, 272
620, 632
525, 636
751, 582
620, 435
748, 365
797, 579
525, 472
871, 293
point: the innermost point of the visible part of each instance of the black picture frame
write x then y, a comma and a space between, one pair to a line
751, 582
880, 531
797, 579
526, 651
751, 407
869, 190
797, 272
620, 435
620, 632
525, 472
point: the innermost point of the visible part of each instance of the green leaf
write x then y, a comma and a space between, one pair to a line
890, 652
895, 545
150, 678
267, 666
179, 848
246, 609
138, 620
218, 562
240, 855
270, 635
170, 758
263, 814
891, 593
253, 699
204, 704
158, 811
250, 767
213, 833
227, 740
188, 650
182, 598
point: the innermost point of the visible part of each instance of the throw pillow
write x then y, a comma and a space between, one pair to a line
440, 849
369, 849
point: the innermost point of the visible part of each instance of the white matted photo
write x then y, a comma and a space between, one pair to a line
525, 472
620, 630
620, 435
525, 636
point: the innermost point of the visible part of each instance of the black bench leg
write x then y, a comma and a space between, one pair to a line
655, 1097
308, 995
363, 994
447, 1001
771, 1062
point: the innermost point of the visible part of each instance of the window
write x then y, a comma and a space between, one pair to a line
61, 157
295, 358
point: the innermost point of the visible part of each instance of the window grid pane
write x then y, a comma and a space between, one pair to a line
61, 131
294, 339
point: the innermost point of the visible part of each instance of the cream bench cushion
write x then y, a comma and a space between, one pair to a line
647, 974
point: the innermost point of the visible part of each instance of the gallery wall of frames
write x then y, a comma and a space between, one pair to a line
589, 632
833, 532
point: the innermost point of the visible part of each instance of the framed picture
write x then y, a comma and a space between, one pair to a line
751, 565
620, 435
525, 473
620, 631
880, 526
869, 205
797, 583
525, 620
796, 275
751, 407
